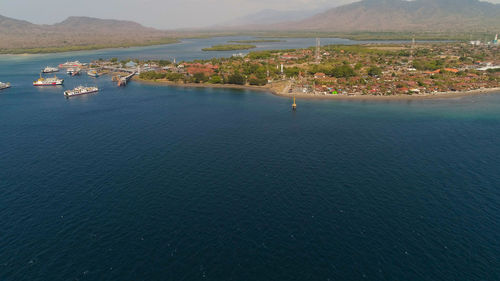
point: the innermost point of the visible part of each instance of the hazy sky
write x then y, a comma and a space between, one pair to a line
156, 13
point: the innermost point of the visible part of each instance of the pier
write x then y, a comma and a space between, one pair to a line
121, 81
124, 80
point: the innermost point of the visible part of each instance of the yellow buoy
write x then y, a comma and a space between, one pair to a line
294, 105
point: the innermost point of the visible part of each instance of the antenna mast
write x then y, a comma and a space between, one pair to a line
318, 50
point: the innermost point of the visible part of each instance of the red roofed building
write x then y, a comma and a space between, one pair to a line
207, 69
319, 75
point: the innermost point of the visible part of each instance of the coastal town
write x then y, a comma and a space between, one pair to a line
362, 70
372, 70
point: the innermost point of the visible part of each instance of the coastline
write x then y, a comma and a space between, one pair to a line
275, 91
194, 85
76, 48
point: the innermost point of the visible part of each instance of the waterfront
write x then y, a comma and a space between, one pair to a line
160, 183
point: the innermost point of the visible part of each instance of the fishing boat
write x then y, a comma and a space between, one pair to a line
80, 90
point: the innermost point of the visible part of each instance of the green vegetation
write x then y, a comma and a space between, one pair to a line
164, 62
260, 55
199, 78
229, 47
358, 49
428, 65
153, 75
216, 79
292, 71
254, 81
343, 71
256, 41
363, 36
45, 50
236, 79
374, 71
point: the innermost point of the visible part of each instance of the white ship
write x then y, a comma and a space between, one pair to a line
72, 64
4, 85
49, 69
80, 90
54, 81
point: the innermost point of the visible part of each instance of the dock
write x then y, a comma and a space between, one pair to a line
121, 80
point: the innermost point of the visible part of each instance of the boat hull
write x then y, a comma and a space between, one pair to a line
48, 84
79, 94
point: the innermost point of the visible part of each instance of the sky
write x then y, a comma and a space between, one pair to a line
164, 14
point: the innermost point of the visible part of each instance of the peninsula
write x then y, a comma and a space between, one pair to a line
374, 70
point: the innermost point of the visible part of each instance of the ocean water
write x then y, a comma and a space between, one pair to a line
165, 183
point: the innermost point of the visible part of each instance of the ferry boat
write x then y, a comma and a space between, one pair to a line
49, 69
80, 90
92, 73
4, 85
71, 64
54, 81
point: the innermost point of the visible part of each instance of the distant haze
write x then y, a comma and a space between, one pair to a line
164, 14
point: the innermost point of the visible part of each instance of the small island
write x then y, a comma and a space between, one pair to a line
229, 47
256, 41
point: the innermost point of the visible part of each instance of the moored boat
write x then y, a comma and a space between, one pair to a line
80, 90
4, 85
71, 64
49, 69
75, 72
92, 73
53, 81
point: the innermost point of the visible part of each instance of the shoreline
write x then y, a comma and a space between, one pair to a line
195, 85
70, 49
274, 91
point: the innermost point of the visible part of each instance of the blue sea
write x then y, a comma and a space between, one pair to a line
164, 183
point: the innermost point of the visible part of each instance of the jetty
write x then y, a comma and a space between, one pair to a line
121, 80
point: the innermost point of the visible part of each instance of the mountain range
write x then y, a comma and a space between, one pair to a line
365, 15
402, 15
74, 31
269, 16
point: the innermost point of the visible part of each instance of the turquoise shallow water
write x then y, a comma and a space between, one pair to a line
157, 183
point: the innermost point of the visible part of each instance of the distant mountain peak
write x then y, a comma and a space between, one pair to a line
403, 15
74, 30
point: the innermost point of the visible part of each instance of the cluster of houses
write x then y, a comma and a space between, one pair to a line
464, 67
398, 75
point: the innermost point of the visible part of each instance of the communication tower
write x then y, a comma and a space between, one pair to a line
318, 50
